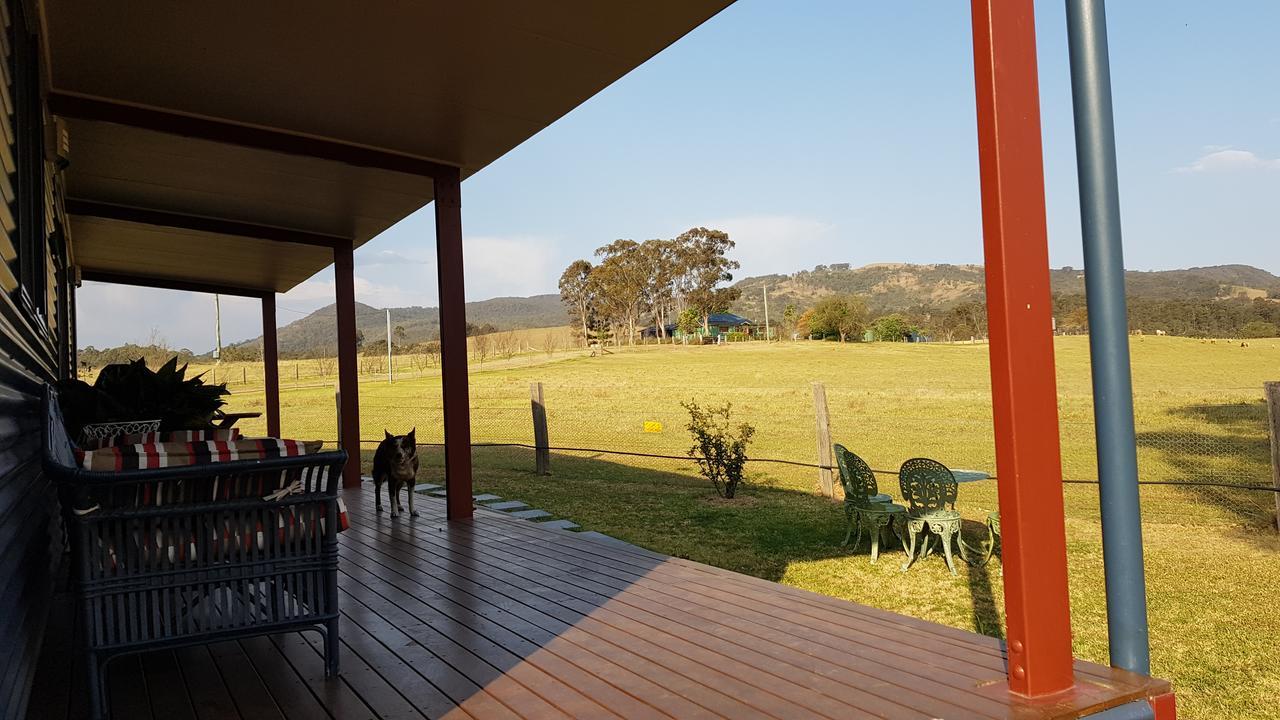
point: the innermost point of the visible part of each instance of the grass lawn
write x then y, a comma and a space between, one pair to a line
1211, 554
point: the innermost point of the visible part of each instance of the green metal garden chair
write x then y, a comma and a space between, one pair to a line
865, 505
930, 491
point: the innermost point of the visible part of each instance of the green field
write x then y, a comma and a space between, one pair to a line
1212, 554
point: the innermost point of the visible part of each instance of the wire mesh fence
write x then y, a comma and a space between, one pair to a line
1206, 463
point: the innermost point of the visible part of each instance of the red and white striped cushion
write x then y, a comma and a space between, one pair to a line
150, 455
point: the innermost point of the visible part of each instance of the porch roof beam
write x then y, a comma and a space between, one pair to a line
173, 284
86, 107
200, 223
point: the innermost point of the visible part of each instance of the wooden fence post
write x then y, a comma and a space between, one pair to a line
1272, 392
542, 445
825, 456
337, 403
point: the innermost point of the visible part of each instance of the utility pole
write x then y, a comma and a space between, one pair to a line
217, 329
766, 313
390, 373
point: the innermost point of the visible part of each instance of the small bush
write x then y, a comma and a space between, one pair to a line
719, 448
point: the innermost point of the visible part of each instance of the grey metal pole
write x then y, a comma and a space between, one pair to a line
1108, 336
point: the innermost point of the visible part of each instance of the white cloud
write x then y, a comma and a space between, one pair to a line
109, 315
509, 265
389, 257
768, 244
1224, 159
316, 293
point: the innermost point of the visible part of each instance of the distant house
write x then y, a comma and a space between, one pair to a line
719, 324
652, 331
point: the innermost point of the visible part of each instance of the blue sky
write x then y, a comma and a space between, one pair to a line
820, 132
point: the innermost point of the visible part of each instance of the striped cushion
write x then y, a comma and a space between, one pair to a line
149, 455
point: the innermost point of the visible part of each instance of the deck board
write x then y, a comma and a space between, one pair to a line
500, 618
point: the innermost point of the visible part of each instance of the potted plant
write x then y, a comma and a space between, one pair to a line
132, 392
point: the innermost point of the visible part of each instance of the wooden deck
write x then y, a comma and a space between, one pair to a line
498, 618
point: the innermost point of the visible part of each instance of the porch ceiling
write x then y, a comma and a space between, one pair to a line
459, 84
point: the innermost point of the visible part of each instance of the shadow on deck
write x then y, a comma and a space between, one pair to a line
499, 618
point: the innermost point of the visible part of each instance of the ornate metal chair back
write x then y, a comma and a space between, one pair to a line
927, 485
856, 476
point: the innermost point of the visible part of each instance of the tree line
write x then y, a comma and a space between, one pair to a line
663, 282
1206, 318
845, 317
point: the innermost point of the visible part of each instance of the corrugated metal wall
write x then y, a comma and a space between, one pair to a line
35, 347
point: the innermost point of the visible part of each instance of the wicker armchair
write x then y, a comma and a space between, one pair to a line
178, 556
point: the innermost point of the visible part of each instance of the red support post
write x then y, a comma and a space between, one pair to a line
1023, 386
270, 365
349, 412
453, 346
1165, 707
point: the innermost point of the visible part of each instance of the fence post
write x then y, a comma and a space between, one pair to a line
1272, 392
825, 458
337, 403
542, 445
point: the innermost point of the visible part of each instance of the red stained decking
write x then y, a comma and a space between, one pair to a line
499, 618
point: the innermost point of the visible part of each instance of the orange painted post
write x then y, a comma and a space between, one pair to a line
1023, 387
348, 380
1165, 707
453, 346
270, 365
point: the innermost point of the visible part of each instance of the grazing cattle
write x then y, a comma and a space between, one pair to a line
1160, 332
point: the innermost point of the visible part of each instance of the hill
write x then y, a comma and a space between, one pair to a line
889, 287
318, 331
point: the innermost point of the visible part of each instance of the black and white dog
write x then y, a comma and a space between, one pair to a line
396, 463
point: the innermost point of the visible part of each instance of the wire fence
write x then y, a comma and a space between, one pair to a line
1204, 463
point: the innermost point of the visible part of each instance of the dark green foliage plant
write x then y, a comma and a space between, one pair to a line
688, 321
891, 328
133, 391
719, 447
841, 316
1259, 329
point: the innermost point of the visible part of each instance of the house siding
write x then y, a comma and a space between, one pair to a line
36, 347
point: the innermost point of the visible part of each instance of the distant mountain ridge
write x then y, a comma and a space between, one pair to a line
318, 330
887, 287
892, 287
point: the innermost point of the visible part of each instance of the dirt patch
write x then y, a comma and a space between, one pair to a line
742, 501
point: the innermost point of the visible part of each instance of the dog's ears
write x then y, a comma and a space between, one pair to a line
412, 433
389, 435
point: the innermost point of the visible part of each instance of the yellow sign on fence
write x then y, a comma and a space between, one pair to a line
652, 426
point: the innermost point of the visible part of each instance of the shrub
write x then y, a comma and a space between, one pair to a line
1258, 329
719, 448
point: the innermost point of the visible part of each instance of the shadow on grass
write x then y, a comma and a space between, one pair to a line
1235, 451
986, 617
664, 506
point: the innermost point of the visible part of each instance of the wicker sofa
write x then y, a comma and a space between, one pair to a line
173, 556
